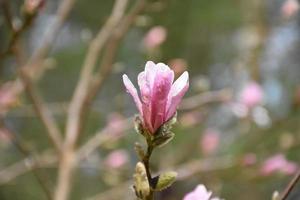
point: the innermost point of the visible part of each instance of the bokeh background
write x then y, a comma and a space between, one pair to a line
238, 127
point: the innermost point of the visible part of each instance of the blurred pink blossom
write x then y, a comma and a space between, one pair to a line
116, 124
251, 95
31, 6
199, 193
278, 163
289, 8
155, 37
159, 95
117, 159
5, 136
210, 141
249, 159
190, 118
8, 96
178, 65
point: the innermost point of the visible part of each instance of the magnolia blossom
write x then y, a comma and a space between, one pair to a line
159, 97
117, 159
249, 159
289, 8
155, 37
8, 96
199, 193
251, 95
210, 141
278, 163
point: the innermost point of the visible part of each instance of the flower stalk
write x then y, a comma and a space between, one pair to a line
157, 104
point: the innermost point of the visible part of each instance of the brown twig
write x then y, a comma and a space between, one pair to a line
43, 112
185, 171
102, 137
204, 98
75, 112
111, 50
16, 33
49, 37
7, 14
22, 148
290, 186
30, 163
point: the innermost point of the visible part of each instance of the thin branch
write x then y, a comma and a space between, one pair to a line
28, 164
290, 186
43, 112
49, 37
185, 171
7, 14
74, 118
16, 33
102, 137
81, 91
111, 50
205, 98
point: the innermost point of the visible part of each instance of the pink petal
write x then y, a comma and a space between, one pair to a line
199, 193
146, 100
178, 90
160, 91
133, 92
150, 72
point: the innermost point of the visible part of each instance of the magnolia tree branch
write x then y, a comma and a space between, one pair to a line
42, 111
185, 171
199, 100
15, 32
77, 103
290, 186
102, 137
49, 37
76, 108
28, 164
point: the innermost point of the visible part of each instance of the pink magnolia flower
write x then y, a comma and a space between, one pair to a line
159, 97
155, 37
278, 163
31, 6
116, 159
210, 141
116, 124
251, 95
289, 8
190, 118
178, 65
249, 159
199, 193
8, 96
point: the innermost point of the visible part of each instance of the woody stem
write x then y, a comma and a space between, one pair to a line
146, 162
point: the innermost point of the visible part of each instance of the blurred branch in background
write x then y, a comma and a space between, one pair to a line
291, 185
81, 99
199, 100
30, 163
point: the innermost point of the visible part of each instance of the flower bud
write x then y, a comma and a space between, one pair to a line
159, 96
141, 184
